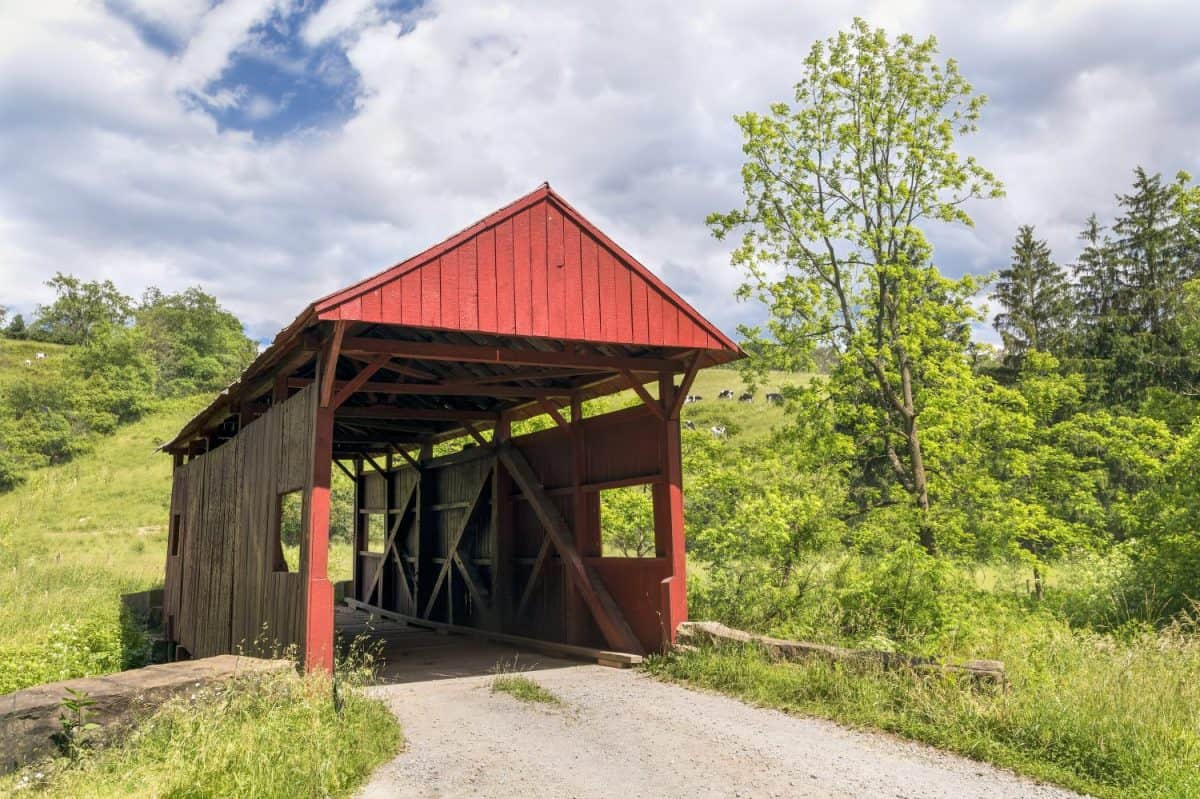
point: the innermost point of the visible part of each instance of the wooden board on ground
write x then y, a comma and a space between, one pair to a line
604, 657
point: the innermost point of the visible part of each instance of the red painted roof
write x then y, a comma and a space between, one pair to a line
536, 267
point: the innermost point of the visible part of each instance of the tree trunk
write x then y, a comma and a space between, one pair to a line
921, 489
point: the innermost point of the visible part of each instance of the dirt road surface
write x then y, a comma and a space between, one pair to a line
620, 733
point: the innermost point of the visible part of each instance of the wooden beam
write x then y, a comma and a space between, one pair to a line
329, 363
553, 412
345, 471
391, 541
602, 656
531, 583
454, 541
411, 460
528, 374
353, 384
400, 369
509, 357
442, 389
474, 582
314, 553
415, 414
641, 391
684, 387
604, 609
475, 434
374, 465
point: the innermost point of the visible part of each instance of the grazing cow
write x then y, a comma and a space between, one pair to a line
747, 397
726, 393
689, 425
41, 356
718, 430
28, 362
775, 399
693, 398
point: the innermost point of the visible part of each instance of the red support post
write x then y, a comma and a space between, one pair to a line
669, 518
318, 591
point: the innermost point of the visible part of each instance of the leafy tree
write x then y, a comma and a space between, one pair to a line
836, 187
628, 515
1168, 563
16, 328
195, 344
1034, 294
116, 378
79, 309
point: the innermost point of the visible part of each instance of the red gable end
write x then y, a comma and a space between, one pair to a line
534, 268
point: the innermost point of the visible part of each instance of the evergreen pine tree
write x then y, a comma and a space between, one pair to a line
1035, 300
1156, 257
1100, 299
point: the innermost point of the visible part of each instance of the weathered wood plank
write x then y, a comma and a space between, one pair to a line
604, 609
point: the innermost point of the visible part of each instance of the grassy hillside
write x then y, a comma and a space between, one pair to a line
72, 539
13, 355
744, 420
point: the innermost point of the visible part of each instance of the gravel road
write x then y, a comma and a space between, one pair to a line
623, 734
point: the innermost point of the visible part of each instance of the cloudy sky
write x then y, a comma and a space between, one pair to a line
274, 150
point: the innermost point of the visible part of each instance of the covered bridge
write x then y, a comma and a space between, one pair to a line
530, 311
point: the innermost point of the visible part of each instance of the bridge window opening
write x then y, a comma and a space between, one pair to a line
175, 533
627, 522
286, 543
376, 532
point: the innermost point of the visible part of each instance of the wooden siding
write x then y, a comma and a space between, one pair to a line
536, 268
222, 591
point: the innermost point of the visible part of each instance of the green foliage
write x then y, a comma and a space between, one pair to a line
836, 186
1113, 719
16, 329
115, 373
194, 343
1035, 298
1134, 309
80, 308
265, 736
74, 724
509, 680
627, 521
73, 538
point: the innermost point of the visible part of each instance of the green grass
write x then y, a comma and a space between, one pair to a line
509, 680
745, 420
1113, 718
524, 689
75, 537
263, 736
13, 355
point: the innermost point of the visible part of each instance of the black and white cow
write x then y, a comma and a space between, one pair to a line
775, 399
747, 396
726, 393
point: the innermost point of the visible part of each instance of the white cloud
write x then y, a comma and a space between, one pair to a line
339, 18
177, 18
218, 35
105, 170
